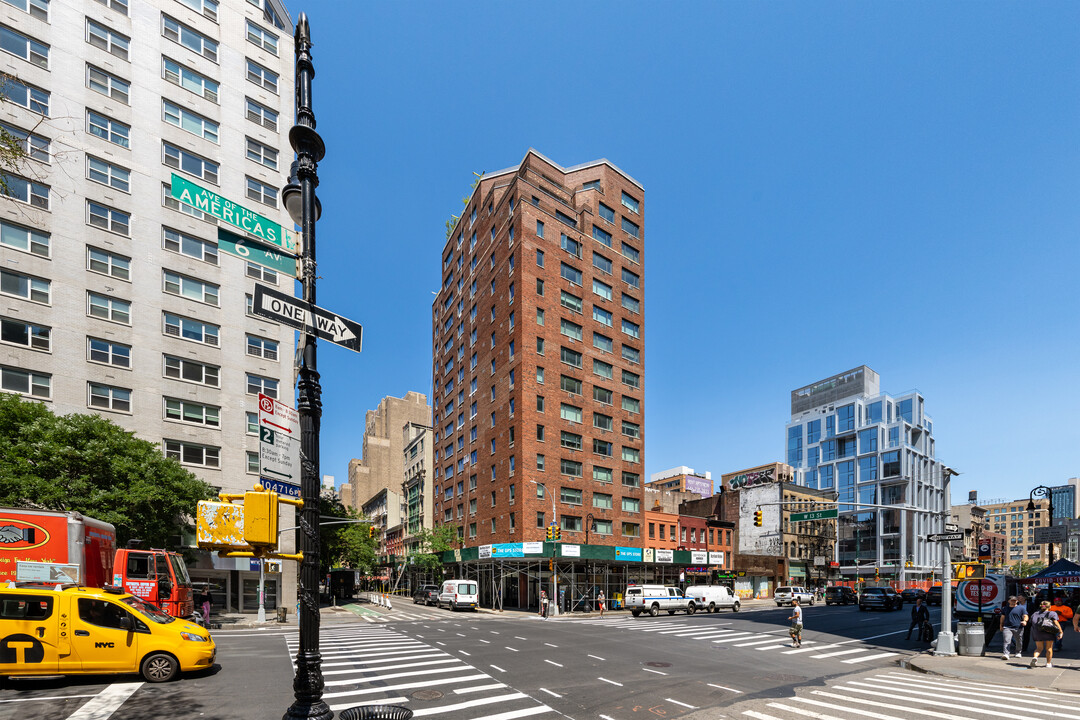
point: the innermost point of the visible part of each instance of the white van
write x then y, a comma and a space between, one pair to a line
459, 594
712, 598
654, 598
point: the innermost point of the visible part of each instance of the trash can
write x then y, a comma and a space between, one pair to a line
970, 638
376, 712
282, 613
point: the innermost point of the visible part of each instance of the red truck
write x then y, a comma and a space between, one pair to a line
68, 547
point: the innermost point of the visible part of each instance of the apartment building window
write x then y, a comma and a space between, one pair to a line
190, 288
258, 384
571, 468
120, 6
107, 39
571, 302
107, 263
261, 76
107, 218
570, 413
630, 203
190, 80
262, 347
630, 252
601, 421
108, 129
209, 8
570, 357
192, 247
631, 379
192, 413
602, 501
25, 334
193, 454
601, 447
106, 173
108, 308
570, 274
631, 354
601, 289
607, 213
265, 274
603, 343
261, 115
36, 147
191, 371
107, 397
570, 245
569, 440
27, 191
630, 228
25, 382
190, 121
631, 304
631, 529
631, 328
631, 455
36, 8
108, 84
570, 329
602, 369
190, 163
261, 192
632, 430
27, 48
262, 154
189, 37
602, 474
630, 479
189, 329
601, 315
601, 236
253, 463
27, 287
32, 98
602, 263
262, 38
631, 505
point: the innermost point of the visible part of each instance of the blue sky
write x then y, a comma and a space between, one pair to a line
826, 185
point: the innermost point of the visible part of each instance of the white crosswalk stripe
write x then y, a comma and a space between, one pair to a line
365, 664
906, 696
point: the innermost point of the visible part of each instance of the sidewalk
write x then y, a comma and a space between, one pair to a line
1063, 677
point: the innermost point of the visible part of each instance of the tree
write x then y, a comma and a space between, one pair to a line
345, 545
91, 465
432, 543
1023, 569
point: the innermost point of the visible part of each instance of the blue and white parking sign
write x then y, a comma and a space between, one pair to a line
281, 488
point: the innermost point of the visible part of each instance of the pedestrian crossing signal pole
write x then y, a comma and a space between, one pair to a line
945, 641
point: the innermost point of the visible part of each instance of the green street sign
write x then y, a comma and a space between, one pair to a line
814, 515
256, 252
239, 216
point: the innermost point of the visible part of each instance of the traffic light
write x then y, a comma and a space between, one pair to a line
550, 533
758, 519
260, 517
551, 565
558, 532
371, 531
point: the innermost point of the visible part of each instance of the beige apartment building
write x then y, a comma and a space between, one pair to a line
1017, 524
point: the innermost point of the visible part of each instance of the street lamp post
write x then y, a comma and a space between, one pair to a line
300, 201
553, 601
945, 639
1043, 491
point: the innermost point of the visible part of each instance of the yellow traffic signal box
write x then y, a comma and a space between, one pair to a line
261, 518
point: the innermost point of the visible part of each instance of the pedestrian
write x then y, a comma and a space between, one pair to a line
1013, 621
796, 624
207, 601
543, 604
600, 602
919, 617
1064, 613
1045, 629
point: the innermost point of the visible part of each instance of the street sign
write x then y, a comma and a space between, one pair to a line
813, 515
237, 215
984, 550
281, 488
952, 527
256, 252
945, 537
296, 313
279, 416
1054, 534
279, 441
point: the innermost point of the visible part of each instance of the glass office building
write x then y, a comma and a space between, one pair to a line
871, 448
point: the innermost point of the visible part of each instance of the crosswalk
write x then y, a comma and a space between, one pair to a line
365, 665
387, 616
844, 651
902, 696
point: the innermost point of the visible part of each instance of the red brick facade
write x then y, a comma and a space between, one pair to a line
507, 289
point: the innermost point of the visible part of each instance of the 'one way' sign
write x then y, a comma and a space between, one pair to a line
296, 313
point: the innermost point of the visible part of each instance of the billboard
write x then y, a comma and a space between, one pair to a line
700, 485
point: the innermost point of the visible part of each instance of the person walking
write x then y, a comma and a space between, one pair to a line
600, 601
920, 615
1045, 629
1064, 613
1013, 621
796, 624
543, 604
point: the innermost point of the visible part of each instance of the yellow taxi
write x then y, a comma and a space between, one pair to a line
70, 630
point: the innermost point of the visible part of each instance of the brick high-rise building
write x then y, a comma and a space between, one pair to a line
538, 340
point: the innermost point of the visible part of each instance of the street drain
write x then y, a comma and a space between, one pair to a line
426, 695
658, 664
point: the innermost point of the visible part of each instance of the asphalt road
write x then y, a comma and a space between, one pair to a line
467, 666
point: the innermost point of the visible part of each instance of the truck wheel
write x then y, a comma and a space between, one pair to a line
654, 610
635, 613
811, 601
159, 667
735, 607
690, 609
712, 607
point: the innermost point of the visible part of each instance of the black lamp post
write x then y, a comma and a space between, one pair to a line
1043, 491
300, 201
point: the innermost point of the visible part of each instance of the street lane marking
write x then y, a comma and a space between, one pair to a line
406, 686
554, 694
605, 717
53, 697
784, 645
378, 678
493, 632
440, 643
498, 668
460, 634
869, 657
816, 715
759, 716
516, 713
654, 671
477, 688
939, 703
681, 703
834, 654
900, 686
812, 649
519, 638
550, 645
552, 662
510, 648
1025, 693
610, 681
468, 704
757, 642
866, 713
463, 652
732, 638
388, 667
597, 657
721, 687
486, 642
106, 702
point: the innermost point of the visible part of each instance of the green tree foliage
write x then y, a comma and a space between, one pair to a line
1023, 569
89, 464
432, 543
345, 545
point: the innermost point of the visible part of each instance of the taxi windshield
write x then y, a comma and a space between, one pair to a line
148, 610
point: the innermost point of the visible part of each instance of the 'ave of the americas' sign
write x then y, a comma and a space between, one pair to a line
233, 213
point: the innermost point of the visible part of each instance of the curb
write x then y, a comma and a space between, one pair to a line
908, 663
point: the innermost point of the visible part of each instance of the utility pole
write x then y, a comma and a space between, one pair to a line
945, 641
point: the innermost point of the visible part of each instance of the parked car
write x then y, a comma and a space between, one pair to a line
654, 598
712, 598
427, 594
840, 595
785, 594
910, 595
933, 596
457, 594
884, 598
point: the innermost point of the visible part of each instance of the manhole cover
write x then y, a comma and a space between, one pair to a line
426, 695
658, 664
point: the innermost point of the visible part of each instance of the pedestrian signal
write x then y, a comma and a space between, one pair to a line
969, 571
758, 518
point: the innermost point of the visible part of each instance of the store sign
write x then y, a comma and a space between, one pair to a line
749, 479
533, 548
699, 558
665, 556
570, 550
716, 558
647, 555
483, 552
628, 554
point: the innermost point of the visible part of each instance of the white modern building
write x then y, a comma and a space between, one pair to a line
117, 299
872, 448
